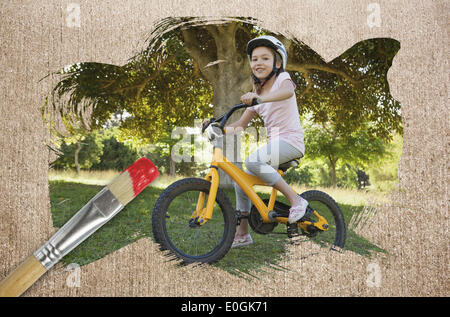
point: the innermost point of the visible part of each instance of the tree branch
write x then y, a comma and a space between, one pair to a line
231, 28
246, 31
309, 84
212, 30
193, 47
141, 85
304, 68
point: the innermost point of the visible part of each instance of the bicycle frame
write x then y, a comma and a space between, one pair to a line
243, 179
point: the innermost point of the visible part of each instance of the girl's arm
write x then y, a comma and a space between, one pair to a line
242, 122
285, 91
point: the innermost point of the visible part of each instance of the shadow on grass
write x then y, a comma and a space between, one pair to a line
134, 222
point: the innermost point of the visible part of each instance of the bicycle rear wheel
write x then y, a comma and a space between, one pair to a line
327, 207
173, 228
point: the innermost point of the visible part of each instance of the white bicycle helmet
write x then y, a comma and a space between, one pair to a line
268, 41
273, 43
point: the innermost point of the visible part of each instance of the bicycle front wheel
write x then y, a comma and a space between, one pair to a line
173, 226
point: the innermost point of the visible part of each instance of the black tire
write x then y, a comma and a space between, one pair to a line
172, 213
327, 207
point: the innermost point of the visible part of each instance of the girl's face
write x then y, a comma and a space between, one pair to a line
262, 62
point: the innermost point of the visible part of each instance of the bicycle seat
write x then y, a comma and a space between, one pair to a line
285, 166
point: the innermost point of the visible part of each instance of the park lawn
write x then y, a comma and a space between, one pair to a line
134, 222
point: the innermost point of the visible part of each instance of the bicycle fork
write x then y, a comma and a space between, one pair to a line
203, 213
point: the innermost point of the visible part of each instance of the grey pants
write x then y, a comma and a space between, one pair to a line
262, 163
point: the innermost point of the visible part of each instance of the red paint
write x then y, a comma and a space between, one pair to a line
142, 172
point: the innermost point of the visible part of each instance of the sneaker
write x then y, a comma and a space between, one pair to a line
296, 213
241, 241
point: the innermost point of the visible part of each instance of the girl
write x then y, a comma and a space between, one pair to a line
274, 90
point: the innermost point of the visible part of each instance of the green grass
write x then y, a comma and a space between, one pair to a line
134, 222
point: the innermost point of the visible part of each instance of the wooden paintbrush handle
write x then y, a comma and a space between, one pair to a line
19, 280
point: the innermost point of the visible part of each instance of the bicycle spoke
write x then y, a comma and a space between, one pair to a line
195, 241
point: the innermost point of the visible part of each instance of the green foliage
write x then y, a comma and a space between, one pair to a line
384, 173
90, 150
302, 175
159, 89
160, 154
116, 155
184, 68
357, 149
314, 173
346, 176
351, 92
162, 86
98, 150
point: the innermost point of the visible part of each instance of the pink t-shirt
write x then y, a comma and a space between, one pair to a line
281, 118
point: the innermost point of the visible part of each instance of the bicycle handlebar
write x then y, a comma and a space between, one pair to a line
224, 118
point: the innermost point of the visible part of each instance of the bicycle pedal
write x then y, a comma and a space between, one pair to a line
292, 230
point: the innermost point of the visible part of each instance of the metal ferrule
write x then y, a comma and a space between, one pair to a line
99, 210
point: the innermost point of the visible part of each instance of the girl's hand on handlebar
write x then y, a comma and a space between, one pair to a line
248, 98
205, 122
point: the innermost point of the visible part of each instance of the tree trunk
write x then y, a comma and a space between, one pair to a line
333, 174
77, 152
171, 166
333, 171
224, 98
228, 88
228, 72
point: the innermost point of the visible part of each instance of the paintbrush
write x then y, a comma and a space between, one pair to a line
98, 211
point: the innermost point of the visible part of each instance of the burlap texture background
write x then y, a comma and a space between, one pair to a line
35, 40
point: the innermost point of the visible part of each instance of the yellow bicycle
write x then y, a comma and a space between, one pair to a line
195, 221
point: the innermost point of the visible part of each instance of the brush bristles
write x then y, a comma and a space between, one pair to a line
133, 180
122, 188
